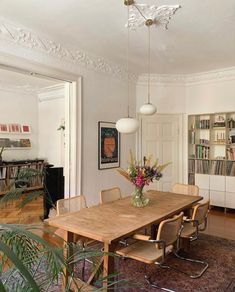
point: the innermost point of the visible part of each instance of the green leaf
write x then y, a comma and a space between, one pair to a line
30, 197
15, 260
2, 288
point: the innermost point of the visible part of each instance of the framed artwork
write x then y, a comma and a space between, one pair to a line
4, 128
14, 128
109, 146
25, 129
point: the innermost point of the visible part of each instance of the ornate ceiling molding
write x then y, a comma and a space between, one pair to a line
161, 15
225, 74
24, 37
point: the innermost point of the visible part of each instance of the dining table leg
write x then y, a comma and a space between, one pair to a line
68, 238
108, 265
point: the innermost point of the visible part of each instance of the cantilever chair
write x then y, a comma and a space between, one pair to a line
151, 251
73, 204
191, 228
69, 205
185, 189
198, 221
110, 195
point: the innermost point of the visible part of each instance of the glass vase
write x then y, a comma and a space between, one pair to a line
138, 199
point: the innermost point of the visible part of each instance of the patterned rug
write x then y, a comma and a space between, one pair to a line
219, 277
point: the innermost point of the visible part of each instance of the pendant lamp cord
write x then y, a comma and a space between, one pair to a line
128, 73
149, 40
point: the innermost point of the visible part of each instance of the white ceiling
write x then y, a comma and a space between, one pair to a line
16, 81
201, 35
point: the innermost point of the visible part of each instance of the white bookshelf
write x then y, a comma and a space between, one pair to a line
211, 157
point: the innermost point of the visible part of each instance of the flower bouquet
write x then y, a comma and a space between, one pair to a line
141, 175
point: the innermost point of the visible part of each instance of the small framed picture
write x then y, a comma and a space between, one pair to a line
4, 128
25, 129
108, 146
25, 143
14, 128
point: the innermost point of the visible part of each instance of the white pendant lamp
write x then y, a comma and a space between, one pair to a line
127, 125
148, 108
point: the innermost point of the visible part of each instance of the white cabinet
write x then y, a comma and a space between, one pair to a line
220, 190
217, 198
203, 182
230, 192
217, 182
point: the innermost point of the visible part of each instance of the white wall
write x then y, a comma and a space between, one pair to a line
168, 98
20, 108
187, 97
216, 96
50, 140
104, 98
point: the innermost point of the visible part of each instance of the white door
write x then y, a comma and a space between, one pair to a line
160, 138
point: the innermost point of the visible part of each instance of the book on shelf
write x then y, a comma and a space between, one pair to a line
230, 168
191, 166
202, 166
230, 153
191, 179
202, 152
217, 167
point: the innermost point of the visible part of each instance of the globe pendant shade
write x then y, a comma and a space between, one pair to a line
127, 125
148, 109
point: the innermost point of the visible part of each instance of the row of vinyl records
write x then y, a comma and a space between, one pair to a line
202, 152
214, 167
8, 173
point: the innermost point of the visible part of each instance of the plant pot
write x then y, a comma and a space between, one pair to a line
138, 199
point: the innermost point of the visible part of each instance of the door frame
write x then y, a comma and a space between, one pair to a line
139, 142
73, 113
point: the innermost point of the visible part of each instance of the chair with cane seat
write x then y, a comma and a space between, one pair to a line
185, 189
151, 251
110, 195
73, 204
198, 221
191, 228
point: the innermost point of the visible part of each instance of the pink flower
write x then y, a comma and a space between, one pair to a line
139, 180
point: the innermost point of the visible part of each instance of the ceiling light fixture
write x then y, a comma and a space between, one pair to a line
149, 15
148, 108
128, 124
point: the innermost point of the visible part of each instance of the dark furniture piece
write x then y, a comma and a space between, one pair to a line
54, 185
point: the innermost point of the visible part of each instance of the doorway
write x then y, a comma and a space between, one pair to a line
161, 137
31, 98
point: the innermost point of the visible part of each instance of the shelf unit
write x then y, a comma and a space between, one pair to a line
211, 156
10, 170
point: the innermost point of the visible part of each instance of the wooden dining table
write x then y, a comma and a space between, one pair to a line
110, 222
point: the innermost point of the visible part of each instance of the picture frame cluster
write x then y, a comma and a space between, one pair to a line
14, 128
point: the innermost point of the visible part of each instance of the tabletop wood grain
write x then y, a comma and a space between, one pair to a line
111, 221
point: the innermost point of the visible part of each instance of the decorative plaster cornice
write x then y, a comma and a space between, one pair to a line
225, 74
24, 37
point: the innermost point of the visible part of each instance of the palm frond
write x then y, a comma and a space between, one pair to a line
15, 260
12, 195
33, 195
